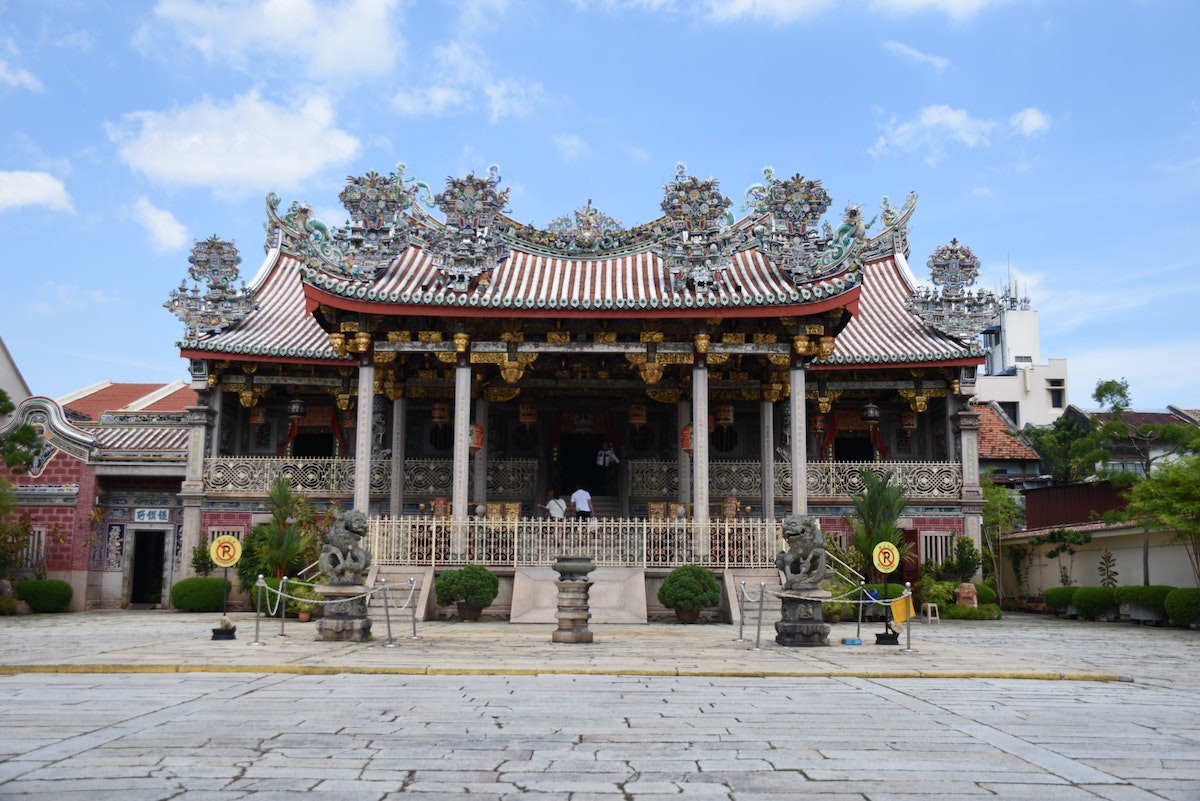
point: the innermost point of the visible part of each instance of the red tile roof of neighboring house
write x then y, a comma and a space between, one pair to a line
997, 442
112, 397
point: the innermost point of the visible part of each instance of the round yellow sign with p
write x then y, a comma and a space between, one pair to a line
886, 557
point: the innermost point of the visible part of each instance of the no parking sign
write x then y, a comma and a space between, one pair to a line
225, 550
886, 557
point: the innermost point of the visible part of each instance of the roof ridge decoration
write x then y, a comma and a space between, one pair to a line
894, 236
588, 229
703, 240
955, 310
215, 263
377, 229
469, 244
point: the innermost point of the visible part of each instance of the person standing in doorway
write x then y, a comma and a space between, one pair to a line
583, 503
606, 469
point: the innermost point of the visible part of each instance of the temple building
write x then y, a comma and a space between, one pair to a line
445, 369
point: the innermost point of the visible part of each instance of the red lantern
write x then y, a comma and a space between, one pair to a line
908, 420
685, 438
257, 416
528, 413
476, 441
637, 414
818, 424
441, 413
724, 414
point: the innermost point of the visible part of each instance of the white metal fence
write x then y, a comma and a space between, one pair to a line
613, 542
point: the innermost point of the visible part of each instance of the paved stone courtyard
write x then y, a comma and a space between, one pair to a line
145, 706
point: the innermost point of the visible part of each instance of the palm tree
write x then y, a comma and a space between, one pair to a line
877, 512
279, 546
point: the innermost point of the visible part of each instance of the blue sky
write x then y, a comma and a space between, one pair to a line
1059, 140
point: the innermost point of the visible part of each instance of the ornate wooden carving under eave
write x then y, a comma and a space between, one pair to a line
500, 394
918, 400
825, 400
664, 395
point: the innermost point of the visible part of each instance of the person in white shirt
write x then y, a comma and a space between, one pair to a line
583, 503
606, 469
556, 507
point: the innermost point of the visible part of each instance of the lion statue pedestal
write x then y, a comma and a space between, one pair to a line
343, 562
804, 567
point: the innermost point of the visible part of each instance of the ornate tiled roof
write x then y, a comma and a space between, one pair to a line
885, 332
153, 440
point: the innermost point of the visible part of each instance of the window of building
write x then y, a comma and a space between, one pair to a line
213, 533
1012, 410
35, 548
1058, 392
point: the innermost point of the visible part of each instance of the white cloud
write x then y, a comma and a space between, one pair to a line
934, 127
245, 146
349, 38
1029, 121
55, 299
166, 232
570, 146
465, 79
19, 189
778, 11
956, 9
912, 54
22, 79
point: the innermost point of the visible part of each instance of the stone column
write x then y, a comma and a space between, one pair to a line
362, 435
683, 458
479, 488
200, 420
972, 492
799, 451
462, 441
396, 489
766, 413
702, 543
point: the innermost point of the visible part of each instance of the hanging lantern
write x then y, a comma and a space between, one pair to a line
257, 416
637, 414
441, 413
476, 441
908, 419
528, 413
296, 409
724, 414
349, 419
870, 414
818, 424
685, 438
582, 423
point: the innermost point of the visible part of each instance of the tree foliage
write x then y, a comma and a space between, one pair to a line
877, 511
21, 445
279, 547
1170, 498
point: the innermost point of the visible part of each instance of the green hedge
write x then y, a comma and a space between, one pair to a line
1153, 596
1183, 606
1058, 598
985, 595
690, 587
199, 594
981, 612
1094, 602
45, 595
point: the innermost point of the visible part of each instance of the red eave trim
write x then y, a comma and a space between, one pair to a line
313, 298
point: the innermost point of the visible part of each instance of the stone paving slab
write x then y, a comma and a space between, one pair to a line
1020, 646
144, 705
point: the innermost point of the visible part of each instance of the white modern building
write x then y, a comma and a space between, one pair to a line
1028, 390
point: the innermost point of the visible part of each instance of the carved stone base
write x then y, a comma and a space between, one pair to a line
342, 599
573, 614
800, 623
344, 629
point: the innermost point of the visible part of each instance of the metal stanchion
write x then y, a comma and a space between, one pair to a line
387, 614
412, 586
762, 592
857, 638
908, 649
742, 617
258, 610
282, 607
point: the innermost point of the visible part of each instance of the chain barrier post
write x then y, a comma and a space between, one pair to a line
258, 609
762, 592
908, 649
742, 608
387, 614
412, 586
861, 602
282, 606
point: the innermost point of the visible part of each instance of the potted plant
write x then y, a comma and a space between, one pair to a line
472, 589
687, 589
304, 601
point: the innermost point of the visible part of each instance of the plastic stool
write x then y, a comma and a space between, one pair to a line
930, 613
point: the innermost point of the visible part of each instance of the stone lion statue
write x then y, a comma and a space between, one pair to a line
803, 563
342, 559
